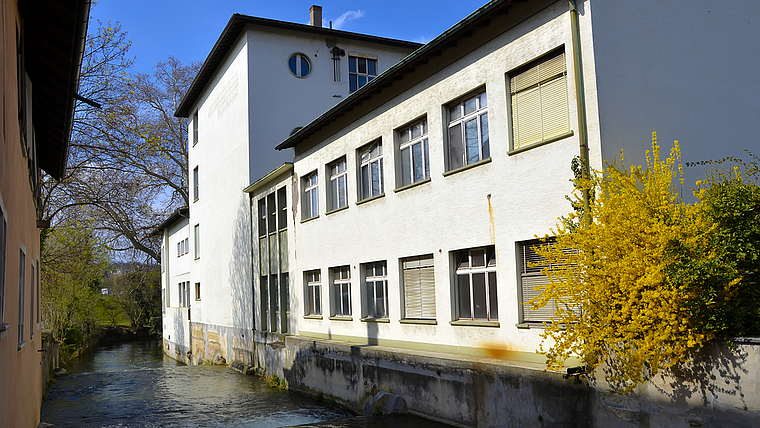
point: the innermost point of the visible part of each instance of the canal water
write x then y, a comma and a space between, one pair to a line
135, 385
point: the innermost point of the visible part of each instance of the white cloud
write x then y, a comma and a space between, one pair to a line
347, 17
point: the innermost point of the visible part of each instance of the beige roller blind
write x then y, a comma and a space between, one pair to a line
539, 100
419, 287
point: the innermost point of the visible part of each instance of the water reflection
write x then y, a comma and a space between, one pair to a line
135, 385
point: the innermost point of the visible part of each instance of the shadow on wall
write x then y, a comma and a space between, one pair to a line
181, 344
241, 287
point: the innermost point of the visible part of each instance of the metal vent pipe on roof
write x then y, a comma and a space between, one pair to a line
315, 16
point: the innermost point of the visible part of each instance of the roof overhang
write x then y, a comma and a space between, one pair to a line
237, 25
54, 39
449, 39
274, 176
178, 214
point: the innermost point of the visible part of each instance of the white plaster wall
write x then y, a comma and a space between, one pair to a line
449, 213
176, 270
250, 106
220, 155
684, 69
281, 102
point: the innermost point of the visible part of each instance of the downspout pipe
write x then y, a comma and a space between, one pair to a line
581, 104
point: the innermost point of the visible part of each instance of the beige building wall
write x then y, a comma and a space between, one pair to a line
20, 383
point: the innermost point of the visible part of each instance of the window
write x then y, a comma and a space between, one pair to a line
371, 170
299, 65
532, 282
195, 128
413, 151
376, 289
419, 287
38, 293
197, 241
313, 292
21, 296
272, 244
197, 291
341, 291
32, 286
539, 100
183, 247
338, 185
476, 284
468, 131
184, 294
360, 71
310, 196
3, 239
195, 184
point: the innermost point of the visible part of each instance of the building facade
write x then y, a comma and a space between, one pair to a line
263, 80
41, 46
394, 253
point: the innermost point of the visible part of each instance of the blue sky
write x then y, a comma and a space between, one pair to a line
188, 29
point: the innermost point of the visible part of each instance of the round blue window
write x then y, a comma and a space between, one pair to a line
299, 65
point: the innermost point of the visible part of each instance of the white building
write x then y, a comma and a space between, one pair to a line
391, 254
262, 80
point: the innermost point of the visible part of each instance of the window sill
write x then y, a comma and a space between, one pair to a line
541, 143
195, 200
375, 320
312, 317
4, 326
476, 323
364, 201
423, 322
309, 219
337, 210
536, 324
409, 186
340, 318
22, 344
466, 167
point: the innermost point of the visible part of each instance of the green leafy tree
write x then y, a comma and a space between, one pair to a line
73, 266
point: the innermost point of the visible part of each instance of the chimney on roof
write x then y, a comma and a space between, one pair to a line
315, 13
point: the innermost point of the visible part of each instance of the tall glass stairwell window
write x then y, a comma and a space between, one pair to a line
273, 261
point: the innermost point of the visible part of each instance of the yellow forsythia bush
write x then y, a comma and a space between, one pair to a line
616, 303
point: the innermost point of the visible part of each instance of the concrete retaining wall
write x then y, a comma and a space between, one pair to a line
720, 388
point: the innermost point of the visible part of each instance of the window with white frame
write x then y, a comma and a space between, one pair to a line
376, 289
413, 153
533, 282
195, 127
341, 291
196, 187
21, 296
310, 196
539, 100
419, 287
468, 131
371, 170
197, 240
476, 284
197, 291
313, 279
361, 70
184, 294
338, 184
299, 65
3, 242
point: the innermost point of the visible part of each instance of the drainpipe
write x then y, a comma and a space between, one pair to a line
581, 103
